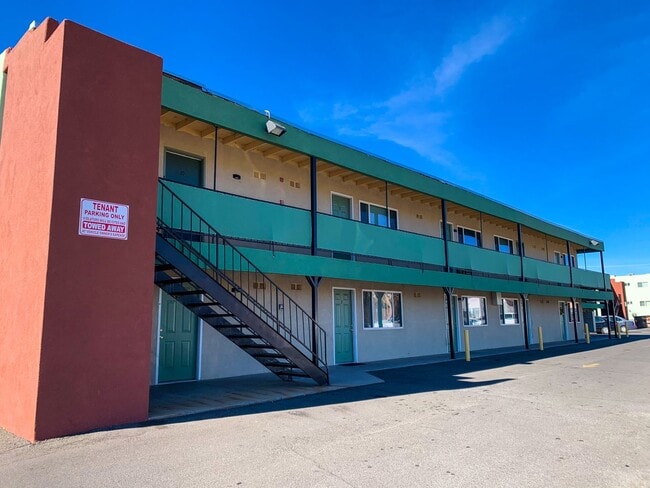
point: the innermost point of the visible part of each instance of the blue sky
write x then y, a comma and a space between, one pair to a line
542, 105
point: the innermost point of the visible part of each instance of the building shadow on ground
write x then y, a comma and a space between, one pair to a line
440, 376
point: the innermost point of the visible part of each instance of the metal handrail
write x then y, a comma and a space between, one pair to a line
191, 234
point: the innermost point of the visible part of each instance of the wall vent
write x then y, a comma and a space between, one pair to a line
259, 285
296, 286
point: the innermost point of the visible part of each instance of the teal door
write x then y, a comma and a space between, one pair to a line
343, 327
178, 333
341, 206
183, 169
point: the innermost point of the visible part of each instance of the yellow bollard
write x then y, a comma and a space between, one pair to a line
541, 338
467, 353
587, 335
627, 331
618, 330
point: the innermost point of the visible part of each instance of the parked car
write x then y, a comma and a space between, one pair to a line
624, 324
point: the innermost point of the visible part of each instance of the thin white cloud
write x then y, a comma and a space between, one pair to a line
463, 54
416, 117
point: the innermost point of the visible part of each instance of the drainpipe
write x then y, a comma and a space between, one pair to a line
313, 175
568, 259
214, 175
575, 319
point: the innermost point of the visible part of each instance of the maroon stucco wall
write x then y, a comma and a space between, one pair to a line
93, 369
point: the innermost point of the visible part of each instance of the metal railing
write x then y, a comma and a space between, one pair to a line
202, 244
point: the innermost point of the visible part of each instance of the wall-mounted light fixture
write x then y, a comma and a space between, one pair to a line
273, 127
594, 242
235, 176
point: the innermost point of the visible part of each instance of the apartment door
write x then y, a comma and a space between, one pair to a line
343, 327
178, 340
183, 169
563, 321
341, 206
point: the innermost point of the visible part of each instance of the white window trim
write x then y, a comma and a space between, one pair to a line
451, 237
487, 315
519, 311
512, 241
349, 197
468, 228
379, 206
363, 327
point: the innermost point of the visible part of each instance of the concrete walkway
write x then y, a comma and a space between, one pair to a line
182, 399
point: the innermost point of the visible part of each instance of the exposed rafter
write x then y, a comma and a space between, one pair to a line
252, 145
208, 132
183, 123
271, 151
232, 138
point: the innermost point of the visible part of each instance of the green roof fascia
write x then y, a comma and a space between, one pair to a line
193, 101
300, 265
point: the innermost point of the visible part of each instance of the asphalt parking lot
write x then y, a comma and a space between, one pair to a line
573, 416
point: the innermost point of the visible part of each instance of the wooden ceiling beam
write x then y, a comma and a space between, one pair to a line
376, 184
208, 132
291, 156
270, 152
252, 145
232, 138
337, 172
183, 123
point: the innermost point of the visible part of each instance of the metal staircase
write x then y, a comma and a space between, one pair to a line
199, 267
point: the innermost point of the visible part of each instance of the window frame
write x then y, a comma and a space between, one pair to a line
363, 310
497, 248
502, 314
461, 240
450, 234
188, 155
349, 197
383, 207
463, 308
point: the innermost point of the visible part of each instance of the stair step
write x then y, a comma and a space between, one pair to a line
270, 355
183, 293
241, 336
164, 267
257, 346
216, 315
172, 281
201, 304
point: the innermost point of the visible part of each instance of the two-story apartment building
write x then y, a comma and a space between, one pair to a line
154, 231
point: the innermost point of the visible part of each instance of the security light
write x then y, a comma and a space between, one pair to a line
594, 242
273, 127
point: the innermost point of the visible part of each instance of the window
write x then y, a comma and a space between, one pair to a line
373, 214
469, 236
643, 284
502, 244
644, 303
474, 311
509, 311
450, 231
183, 168
382, 310
560, 258
573, 261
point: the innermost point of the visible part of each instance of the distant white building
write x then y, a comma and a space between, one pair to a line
637, 293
